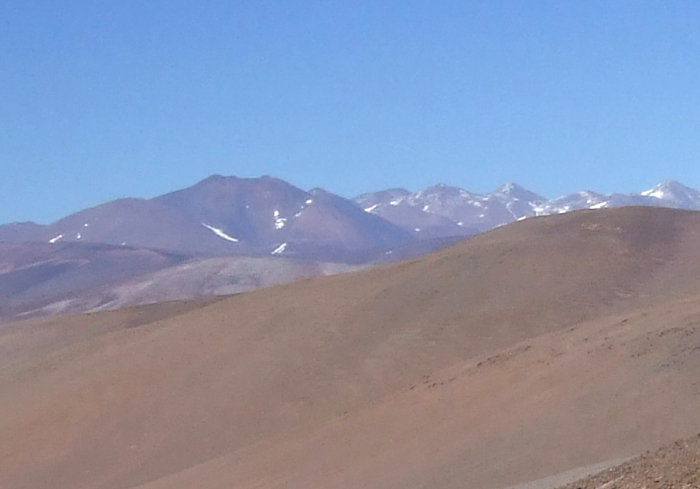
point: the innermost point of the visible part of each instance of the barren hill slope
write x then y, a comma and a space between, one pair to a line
532, 349
604, 390
43, 277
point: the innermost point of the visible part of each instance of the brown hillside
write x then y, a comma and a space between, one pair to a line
532, 349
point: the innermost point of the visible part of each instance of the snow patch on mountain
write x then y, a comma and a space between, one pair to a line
280, 249
220, 233
657, 194
280, 222
673, 194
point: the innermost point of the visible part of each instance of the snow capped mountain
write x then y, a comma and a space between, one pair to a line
667, 194
394, 196
513, 202
506, 204
471, 212
266, 216
446, 201
514, 192
413, 213
673, 194
579, 200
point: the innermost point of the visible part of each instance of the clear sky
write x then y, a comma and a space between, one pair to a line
101, 99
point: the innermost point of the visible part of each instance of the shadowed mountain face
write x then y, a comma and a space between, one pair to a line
251, 210
550, 344
38, 279
272, 215
42, 278
21, 232
141, 223
225, 216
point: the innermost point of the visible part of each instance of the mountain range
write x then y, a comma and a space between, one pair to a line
442, 210
226, 216
229, 234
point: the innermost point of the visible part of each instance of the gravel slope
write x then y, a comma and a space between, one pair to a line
673, 466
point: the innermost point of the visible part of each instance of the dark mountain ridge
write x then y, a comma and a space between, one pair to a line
228, 216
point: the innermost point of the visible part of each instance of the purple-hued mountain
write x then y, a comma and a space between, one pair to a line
273, 217
19, 232
227, 234
49, 278
227, 216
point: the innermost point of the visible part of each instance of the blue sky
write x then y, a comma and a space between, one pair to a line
101, 99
